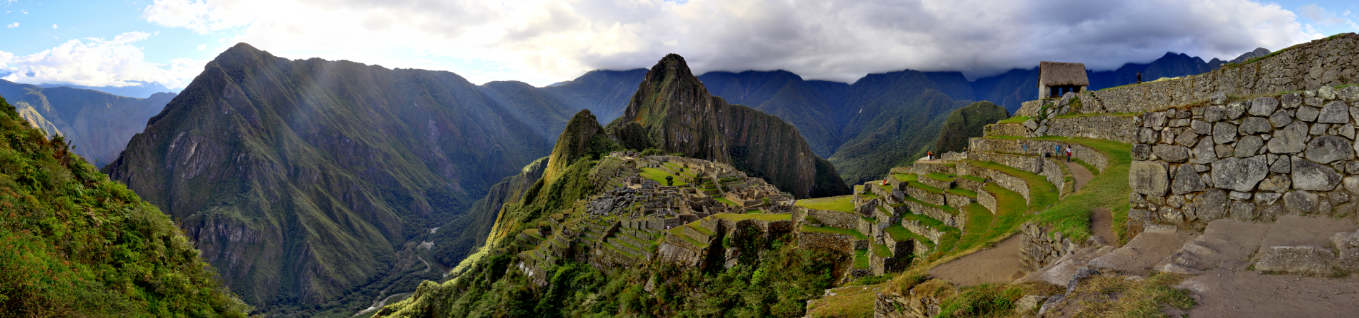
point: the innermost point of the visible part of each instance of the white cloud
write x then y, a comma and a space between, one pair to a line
202, 47
553, 40
98, 62
1321, 16
12, 25
54, 26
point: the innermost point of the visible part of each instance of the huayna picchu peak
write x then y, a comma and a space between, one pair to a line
673, 112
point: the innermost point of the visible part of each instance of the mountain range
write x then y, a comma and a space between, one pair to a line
97, 124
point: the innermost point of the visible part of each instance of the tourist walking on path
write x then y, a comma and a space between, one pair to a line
1068, 153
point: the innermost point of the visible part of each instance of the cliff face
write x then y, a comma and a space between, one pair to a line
674, 112
97, 124
299, 178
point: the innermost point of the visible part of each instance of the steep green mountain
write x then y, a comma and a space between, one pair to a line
97, 124
786, 95
303, 181
79, 245
604, 93
967, 122
898, 115
673, 111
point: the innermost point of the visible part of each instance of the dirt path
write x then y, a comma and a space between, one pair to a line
998, 264
1102, 224
1080, 173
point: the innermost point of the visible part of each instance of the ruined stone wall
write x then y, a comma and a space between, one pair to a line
928, 232
1247, 160
1308, 66
835, 242
926, 196
1111, 127
1028, 163
835, 219
1040, 246
1010, 182
1053, 172
938, 214
987, 200
1039, 147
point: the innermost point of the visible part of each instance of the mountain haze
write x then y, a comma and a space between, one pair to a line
97, 124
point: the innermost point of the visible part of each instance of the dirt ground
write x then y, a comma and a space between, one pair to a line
1102, 224
1080, 173
998, 264
1224, 292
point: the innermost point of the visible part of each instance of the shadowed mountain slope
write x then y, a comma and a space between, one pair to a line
97, 124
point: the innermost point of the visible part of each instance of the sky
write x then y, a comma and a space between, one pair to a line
122, 43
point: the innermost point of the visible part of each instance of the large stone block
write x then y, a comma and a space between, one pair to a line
1298, 201
1248, 146
1173, 154
1202, 153
1280, 118
1224, 132
1255, 125
1211, 205
1263, 106
1235, 110
1308, 114
1186, 180
1141, 152
1290, 139
1149, 178
1239, 174
1308, 175
1328, 149
1291, 100
1277, 183
1296, 259
1334, 113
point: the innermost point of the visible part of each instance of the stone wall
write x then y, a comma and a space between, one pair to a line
1041, 246
987, 200
1010, 182
1247, 160
949, 219
957, 201
926, 196
1308, 66
928, 232
1055, 174
927, 168
1107, 127
1030, 163
1038, 147
835, 242
835, 219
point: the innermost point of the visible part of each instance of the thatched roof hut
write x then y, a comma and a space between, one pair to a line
1062, 74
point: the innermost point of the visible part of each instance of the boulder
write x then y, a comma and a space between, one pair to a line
1149, 178
1328, 149
1308, 175
1290, 139
1280, 118
1203, 152
1296, 259
1254, 125
1334, 113
1326, 92
1172, 154
1239, 174
1308, 114
1154, 120
1248, 146
1186, 180
1298, 201
1224, 132
1263, 106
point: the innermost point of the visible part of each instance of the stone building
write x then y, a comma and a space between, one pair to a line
1056, 78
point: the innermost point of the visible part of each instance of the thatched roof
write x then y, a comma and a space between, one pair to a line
1057, 73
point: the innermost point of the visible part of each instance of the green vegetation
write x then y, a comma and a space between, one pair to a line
844, 203
834, 230
1015, 119
975, 178
1090, 167
727, 202
762, 217
95, 123
861, 259
856, 302
941, 177
1041, 192
899, 233
965, 123
962, 192
1107, 190
975, 231
881, 250
77, 244
990, 300
659, 175
1114, 296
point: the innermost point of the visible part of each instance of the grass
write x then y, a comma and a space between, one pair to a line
881, 250
899, 233
923, 219
914, 183
1093, 170
856, 302
1041, 192
1015, 119
727, 202
947, 209
1094, 114
990, 300
1107, 190
978, 222
678, 231
1114, 296
748, 216
962, 192
974, 178
834, 230
940, 176
844, 203
659, 175
861, 259
700, 229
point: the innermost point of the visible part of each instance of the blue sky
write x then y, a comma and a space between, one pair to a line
167, 42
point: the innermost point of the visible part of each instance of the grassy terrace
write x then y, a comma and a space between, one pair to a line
962, 192
860, 259
678, 231
760, 217
727, 202
947, 209
881, 250
1041, 192
659, 175
899, 233
1015, 119
914, 182
923, 219
1087, 166
941, 177
1109, 190
834, 230
844, 203
974, 178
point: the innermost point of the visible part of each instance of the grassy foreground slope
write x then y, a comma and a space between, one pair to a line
76, 244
